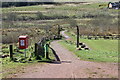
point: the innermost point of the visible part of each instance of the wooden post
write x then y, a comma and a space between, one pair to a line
25, 52
11, 51
46, 46
58, 31
36, 50
77, 37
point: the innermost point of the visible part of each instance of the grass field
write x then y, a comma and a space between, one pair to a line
85, 0
101, 50
63, 0
11, 67
52, 9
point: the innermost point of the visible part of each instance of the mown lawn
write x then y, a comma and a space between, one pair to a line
101, 50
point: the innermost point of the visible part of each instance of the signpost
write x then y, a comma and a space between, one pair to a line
23, 43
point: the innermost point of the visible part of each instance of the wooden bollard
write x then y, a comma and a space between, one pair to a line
11, 51
36, 50
77, 36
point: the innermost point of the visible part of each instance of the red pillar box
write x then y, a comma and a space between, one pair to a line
23, 42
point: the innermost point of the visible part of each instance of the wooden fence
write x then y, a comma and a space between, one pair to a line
39, 48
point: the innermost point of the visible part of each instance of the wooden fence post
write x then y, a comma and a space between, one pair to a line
11, 51
36, 50
58, 31
77, 37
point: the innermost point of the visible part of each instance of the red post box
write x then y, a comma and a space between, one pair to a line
23, 42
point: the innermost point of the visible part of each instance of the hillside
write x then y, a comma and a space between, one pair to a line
59, 0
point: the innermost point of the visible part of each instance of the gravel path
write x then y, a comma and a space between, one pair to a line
70, 67
66, 36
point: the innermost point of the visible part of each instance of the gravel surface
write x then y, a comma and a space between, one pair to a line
70, 66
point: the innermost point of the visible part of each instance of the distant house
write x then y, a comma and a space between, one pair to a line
115, 5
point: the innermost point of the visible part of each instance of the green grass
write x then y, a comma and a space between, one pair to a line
101, 44
10, 67
26, 8
83, 6
101, 50
60, 11
64, 9
86, 0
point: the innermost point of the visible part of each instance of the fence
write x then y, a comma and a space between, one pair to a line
41, 47
39, 50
